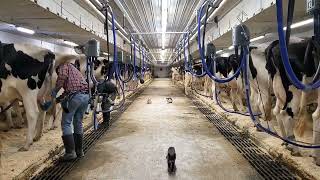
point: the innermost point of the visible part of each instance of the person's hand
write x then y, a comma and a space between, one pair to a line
46, 105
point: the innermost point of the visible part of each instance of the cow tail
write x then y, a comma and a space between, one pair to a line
303, 116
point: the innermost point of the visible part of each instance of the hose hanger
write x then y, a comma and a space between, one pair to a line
283, 41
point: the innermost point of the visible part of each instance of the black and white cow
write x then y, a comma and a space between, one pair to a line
291, 104
22, 77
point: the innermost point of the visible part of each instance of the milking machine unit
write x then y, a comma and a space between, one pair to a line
92, 51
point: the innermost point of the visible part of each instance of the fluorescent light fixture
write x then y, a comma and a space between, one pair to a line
25, 30
70, 43
220, 51
231, 47
256, 39
164, 16
301, 23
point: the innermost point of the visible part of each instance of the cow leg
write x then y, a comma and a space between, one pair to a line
316, 131
9, 116
32, 113
233, 99
39, 125
186, 83
287, 117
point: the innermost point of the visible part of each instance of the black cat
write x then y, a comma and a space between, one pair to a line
171, 158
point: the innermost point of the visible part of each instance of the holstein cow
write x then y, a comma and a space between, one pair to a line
292, 102
174, 75
226, 66
22, 77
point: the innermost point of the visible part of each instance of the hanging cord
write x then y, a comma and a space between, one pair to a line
115, 66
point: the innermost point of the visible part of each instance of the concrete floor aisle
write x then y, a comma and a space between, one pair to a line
136, 145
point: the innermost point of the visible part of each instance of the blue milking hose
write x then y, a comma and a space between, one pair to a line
201, 51
285, 57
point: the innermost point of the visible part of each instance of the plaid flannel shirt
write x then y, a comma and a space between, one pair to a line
70, 79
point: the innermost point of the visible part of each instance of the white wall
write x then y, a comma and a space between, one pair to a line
17, 39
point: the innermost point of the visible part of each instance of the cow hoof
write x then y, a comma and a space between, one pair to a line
259, 129
37, 138
295, 153
22, 149
18, 127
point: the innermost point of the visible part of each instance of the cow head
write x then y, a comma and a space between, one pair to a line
96, 63
234, 61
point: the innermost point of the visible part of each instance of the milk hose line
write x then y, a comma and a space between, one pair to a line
285, 57
217, 92
129, 76
196, 91
134, 61
126, 69
9, 106
187, 67
143, 68
245, 65
201, 50
115, 67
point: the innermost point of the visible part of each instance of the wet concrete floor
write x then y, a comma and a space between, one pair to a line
136, 145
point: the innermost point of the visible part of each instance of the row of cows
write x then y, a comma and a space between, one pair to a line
27, 77
269, 81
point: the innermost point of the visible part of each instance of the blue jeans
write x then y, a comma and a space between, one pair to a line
77, 107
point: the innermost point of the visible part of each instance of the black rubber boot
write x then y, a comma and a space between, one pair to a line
69, 146
78, 141
106, 119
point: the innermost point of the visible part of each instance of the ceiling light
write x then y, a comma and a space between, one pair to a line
231, 47
70, 43
301, 23
25, 30
257, 38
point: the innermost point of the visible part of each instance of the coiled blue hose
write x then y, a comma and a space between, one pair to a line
202, 55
